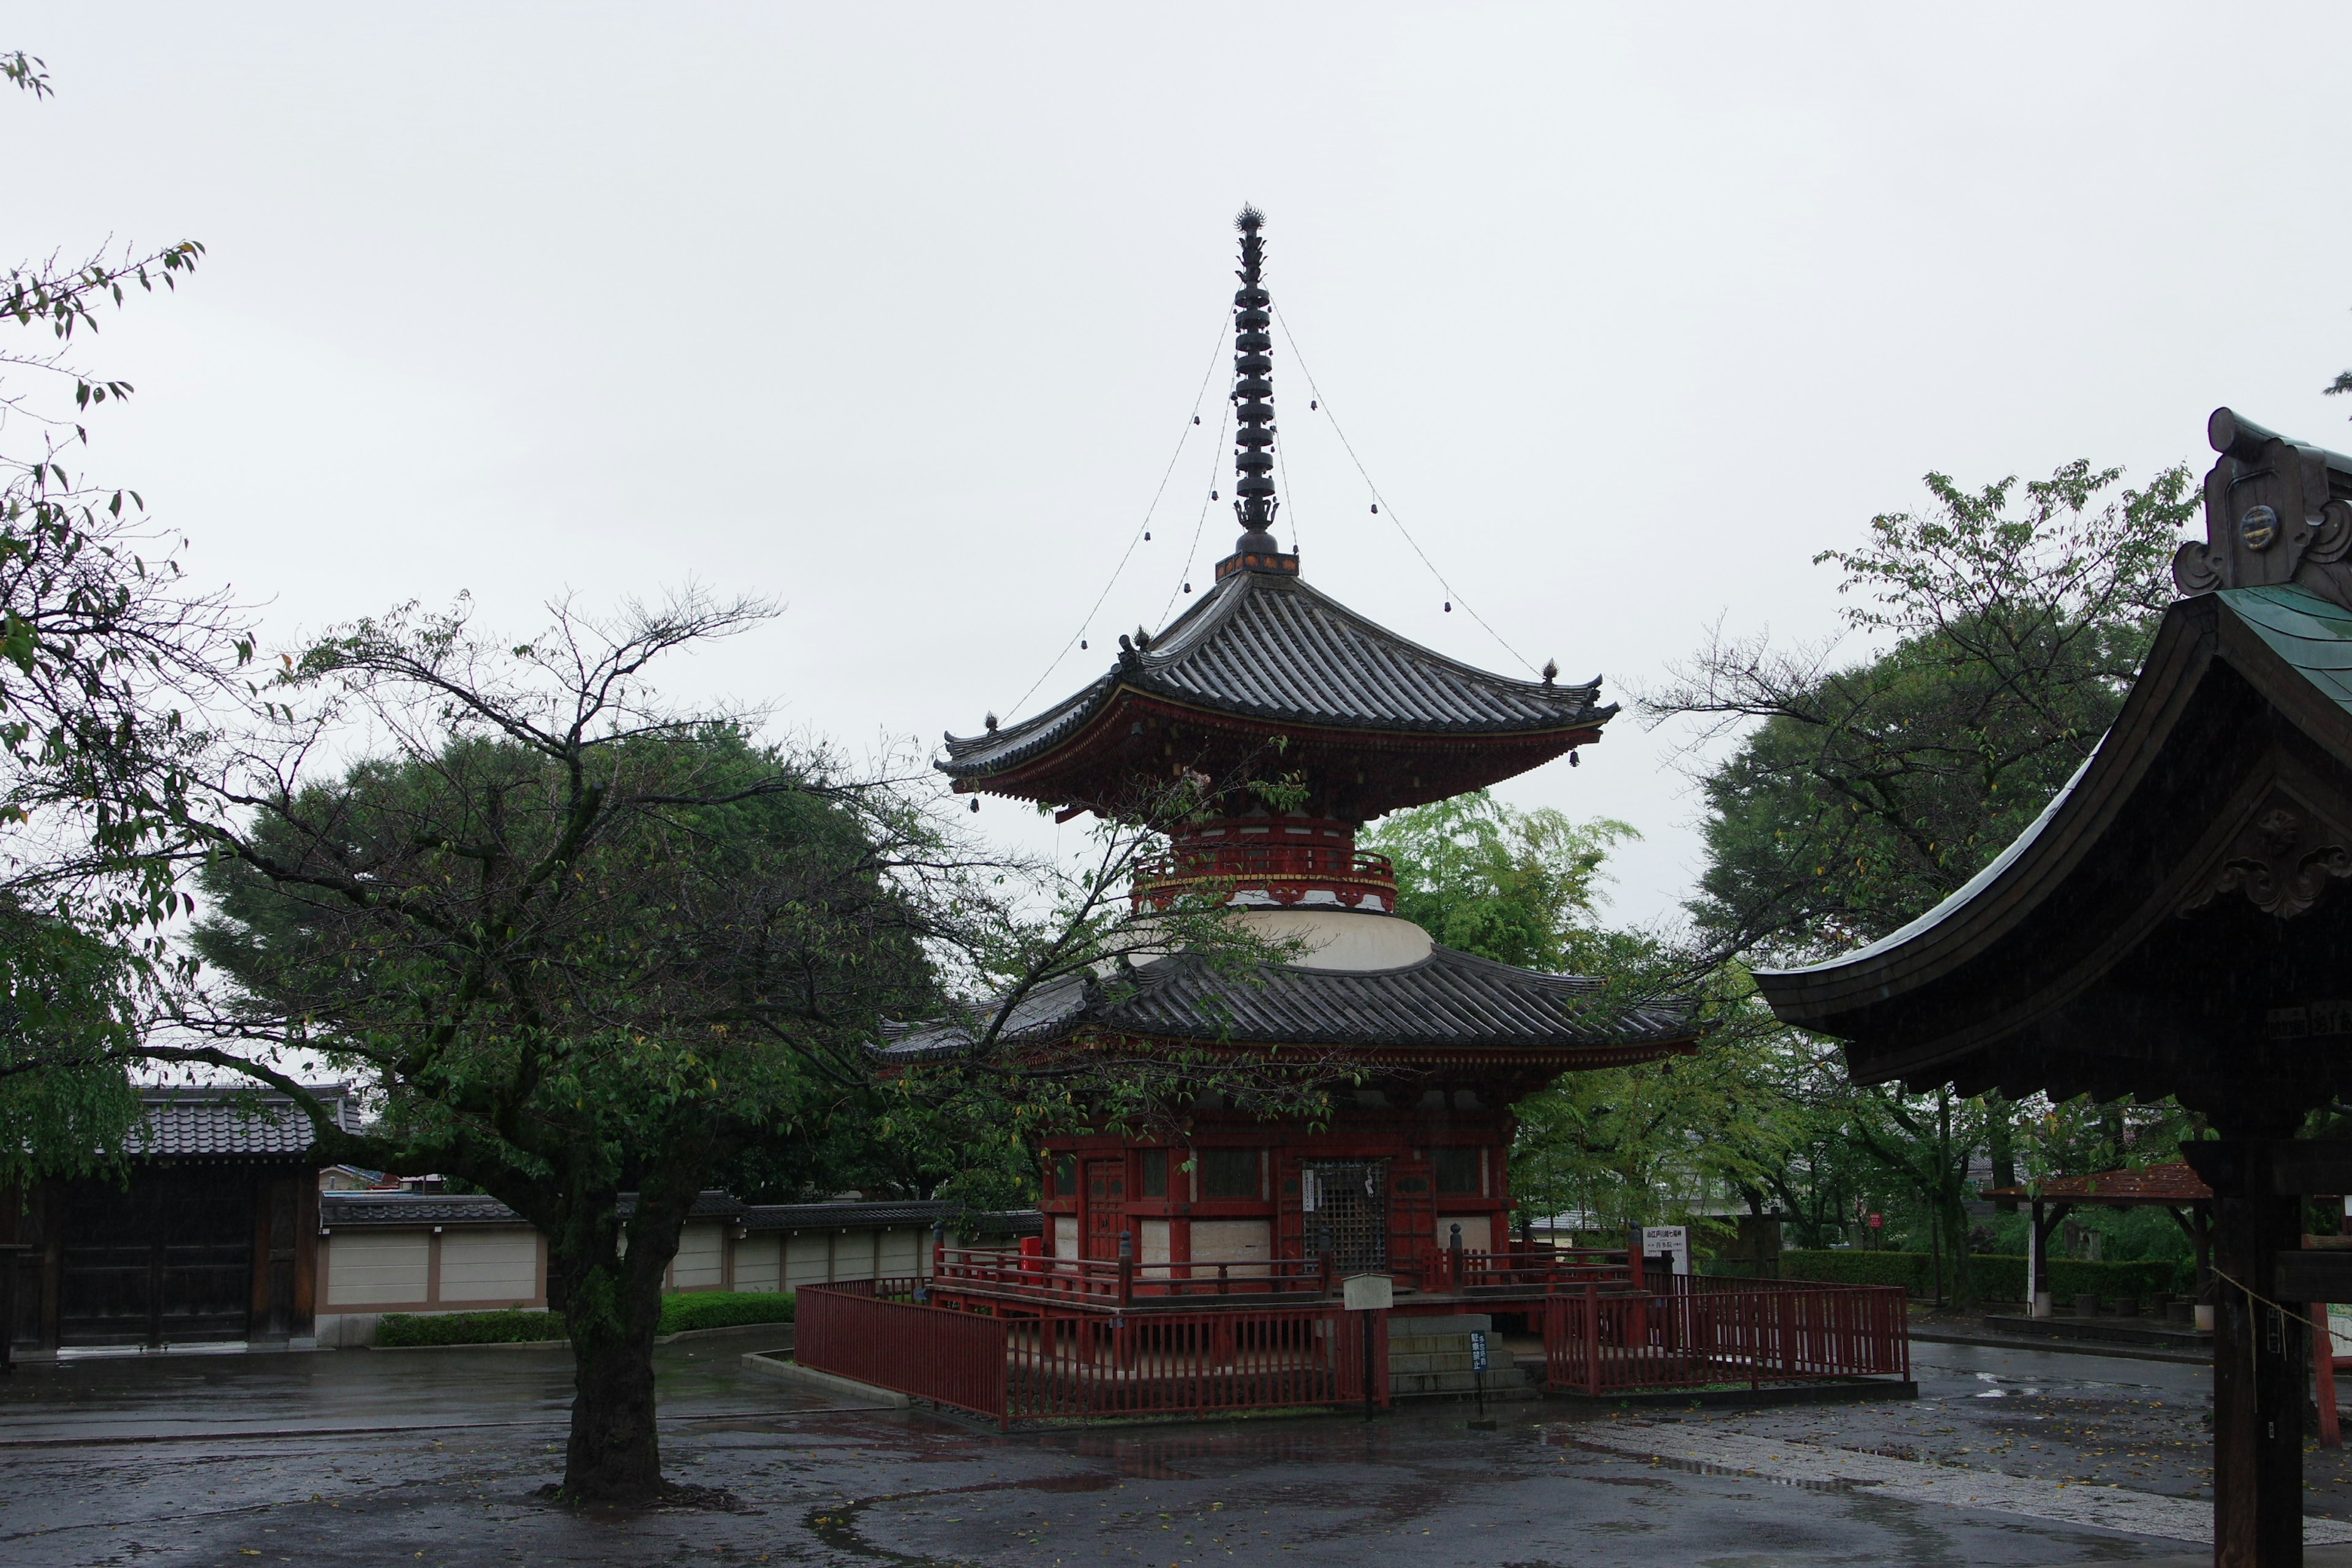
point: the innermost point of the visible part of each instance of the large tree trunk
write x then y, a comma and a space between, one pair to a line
613, 1305
614, 1454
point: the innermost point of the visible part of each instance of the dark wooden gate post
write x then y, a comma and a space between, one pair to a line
2259, 1369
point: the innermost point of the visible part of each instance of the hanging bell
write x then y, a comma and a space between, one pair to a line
1574, 761
1082, 644
1196, 419
1310, 406
1376, 507
1449, 606
1212, 495
975, 806
1147, 536
1188, 587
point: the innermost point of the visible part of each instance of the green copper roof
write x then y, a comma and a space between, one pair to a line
2310, 633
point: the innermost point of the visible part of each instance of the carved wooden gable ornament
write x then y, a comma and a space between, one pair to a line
2275, 511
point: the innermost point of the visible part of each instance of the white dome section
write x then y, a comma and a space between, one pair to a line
1341, 939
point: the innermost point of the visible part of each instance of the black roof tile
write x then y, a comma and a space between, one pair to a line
1273, 648
1448, 1000
412, 1208
222, 1121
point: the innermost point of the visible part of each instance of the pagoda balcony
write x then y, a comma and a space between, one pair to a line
1277, 873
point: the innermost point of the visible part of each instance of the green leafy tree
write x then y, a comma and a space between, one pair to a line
1626, 1145
580, 944
1861, 793
106, 659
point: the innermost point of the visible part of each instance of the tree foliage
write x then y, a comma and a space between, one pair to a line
106, 661
1861, 793
2009, 622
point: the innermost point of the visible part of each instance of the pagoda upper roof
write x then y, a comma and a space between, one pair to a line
1449, 1004
1270, 650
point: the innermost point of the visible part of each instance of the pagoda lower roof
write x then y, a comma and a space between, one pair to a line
1450, 1004
1268, 648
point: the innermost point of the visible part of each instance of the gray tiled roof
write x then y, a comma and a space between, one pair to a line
1272, 648
227, 1123
845, 1216
1447, 1000
710, 1203
412, 1208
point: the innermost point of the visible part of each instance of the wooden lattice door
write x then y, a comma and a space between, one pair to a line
1106, 1206
1349, 1213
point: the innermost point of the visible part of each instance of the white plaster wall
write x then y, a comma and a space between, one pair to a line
758, 1260
1231, 1240
377, 1265
1154, 1241
1066, 1236
805, 1259
499, 1265
697, 1266
902, 1253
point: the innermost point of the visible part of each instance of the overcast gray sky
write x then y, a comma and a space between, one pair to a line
898, 313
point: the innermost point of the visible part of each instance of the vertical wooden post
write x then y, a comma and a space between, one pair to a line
2037, 1266
2322, 1367
2258, 1372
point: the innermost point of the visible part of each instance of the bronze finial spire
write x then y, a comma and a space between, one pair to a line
1255, 503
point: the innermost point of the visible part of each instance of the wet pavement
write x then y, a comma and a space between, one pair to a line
432, 1458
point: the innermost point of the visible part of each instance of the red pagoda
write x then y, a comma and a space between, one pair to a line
1263, 674
1265, 1221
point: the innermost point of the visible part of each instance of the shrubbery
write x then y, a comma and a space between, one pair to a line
403, 1330
1998, 1277
681, 1311
724, 1309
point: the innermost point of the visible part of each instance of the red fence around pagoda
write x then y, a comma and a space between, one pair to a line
1104, 1284
1045, 1367
1716, 1332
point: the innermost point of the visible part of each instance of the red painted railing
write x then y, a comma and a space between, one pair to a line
1345, 869
1709, 1332
873, 1332
1083, 1364
1105, 1285
1535, 1270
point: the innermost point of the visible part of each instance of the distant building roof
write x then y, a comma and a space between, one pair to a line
2168, 1186
227, 1122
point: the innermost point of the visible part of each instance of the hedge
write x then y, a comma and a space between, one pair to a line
724, 1309
681, 1312
1998, 1277
402, 1331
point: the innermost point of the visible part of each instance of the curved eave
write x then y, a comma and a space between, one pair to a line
1211, 643
2245, 630
1071, 757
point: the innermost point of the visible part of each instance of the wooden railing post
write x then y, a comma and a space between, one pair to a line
1126, 1268
1592, 1339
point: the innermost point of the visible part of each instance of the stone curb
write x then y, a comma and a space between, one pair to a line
823, 1381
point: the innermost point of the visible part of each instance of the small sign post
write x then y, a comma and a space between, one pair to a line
1367, 1294
1478, 1375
